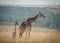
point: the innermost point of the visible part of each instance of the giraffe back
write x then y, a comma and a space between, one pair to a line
25, 26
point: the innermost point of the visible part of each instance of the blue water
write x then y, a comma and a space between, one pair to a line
10, 14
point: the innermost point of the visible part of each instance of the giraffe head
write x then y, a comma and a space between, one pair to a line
41, 15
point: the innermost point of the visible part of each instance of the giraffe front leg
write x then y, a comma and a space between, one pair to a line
28, 34
29, 31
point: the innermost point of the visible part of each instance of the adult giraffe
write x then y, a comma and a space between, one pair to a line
26, 26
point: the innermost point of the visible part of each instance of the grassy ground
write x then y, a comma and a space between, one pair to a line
36, 37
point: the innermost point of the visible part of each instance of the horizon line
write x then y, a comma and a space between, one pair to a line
31, 5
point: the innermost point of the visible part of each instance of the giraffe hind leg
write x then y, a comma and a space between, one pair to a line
20, 35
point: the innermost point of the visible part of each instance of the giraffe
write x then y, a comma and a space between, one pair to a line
26, 26
14, 31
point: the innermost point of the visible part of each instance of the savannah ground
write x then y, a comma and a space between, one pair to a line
41, 36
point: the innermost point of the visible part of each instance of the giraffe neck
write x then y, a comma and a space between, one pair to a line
33, 19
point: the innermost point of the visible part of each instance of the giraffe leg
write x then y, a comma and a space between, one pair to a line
29, 31
28, 34
20, 35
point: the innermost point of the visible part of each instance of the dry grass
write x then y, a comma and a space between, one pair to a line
36, 37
